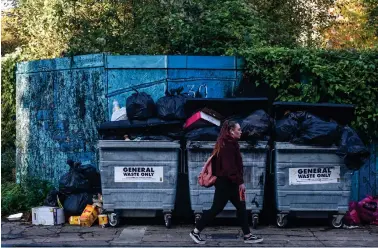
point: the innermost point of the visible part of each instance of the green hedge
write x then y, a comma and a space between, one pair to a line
8, 99
334, 76
23, 197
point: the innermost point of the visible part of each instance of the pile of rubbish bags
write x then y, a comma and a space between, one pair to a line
362, 212
147, 120
141, 106
76, 189
305, 128
167, 120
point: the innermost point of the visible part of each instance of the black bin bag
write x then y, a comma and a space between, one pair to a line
203, 134
352, 149
140, 106
256, 126
315, 131
76, 203
172, 106
74, 181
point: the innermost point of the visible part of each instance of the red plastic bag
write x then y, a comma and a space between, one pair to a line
375, 222
352, 217
368, 210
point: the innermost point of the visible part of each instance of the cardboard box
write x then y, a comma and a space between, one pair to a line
202, 118
74, 220
89, 216
48, 216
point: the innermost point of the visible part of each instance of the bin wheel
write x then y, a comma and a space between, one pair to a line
168, 220
255, 221
197, 218
335, 223
282, 220
113, 219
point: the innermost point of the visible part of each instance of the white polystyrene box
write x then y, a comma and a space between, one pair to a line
47, 216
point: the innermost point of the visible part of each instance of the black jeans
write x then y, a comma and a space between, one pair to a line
225, 190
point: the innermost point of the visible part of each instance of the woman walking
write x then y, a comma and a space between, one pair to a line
227, 166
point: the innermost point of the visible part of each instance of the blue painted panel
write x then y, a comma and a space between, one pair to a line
366, 180
136, 61
88, 61
177, 62
23, 95
205, 83
355, 186
122, 82
44, 65
58, 113
205, 62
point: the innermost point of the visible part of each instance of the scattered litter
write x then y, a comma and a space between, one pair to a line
118, 112
89, 216
74, 220
203, 118
350, 227
47, 216
362, 212
15, 217
103, 220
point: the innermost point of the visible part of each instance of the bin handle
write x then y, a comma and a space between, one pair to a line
195, 145
271, 162
181, 159
184, 161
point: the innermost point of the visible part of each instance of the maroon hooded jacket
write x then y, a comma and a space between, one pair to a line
229, 162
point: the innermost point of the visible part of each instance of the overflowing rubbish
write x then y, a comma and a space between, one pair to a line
103, 220
118, 112
287, 128
75, 203
80, 178
89, 216
73, 181
74, 220
97, 202
363, 212
203, 134
90, 209
305, 128
315, 131
53, 198
203, 118
256, 126
47, 216
171, 106
76, 190
140, 106
352, 149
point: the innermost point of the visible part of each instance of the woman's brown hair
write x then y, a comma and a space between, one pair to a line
223, 135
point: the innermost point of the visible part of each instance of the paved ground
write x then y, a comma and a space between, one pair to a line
25, 234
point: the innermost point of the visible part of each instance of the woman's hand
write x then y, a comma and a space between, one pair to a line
242, 187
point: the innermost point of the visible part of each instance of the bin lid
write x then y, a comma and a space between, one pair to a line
227, 106
342, 113
126, 125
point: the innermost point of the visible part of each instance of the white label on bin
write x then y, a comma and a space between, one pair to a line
317, 175
138, 174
